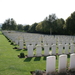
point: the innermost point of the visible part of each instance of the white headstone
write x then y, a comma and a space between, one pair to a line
72, 61
27, 43
67, 41
38, 50
44, 42
66, 49
54, 49
30, 50
33, 43
62, 63
39, 43
50, 64
54, 41
16, 41
46, 50
60, 49
49, 43
72, 48
63, 43
71, 41
20, 44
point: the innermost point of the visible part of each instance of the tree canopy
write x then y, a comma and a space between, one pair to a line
50, 25
9, 24
70, 24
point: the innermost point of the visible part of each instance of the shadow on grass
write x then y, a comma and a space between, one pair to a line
37, 58
25, 50
28, 59
18, 49
68, 55
57, 56
14, 44
44, 58
42, 49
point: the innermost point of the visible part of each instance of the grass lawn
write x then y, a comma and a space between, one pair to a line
11, 64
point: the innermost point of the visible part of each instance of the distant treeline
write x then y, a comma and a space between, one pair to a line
50, 25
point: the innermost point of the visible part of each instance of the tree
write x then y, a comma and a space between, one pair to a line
39, 27
33, 27
9, 24
52, 18
70, 24
4, 27
26, 27
47, 26
13, 24
60, 26
43, 27
20, 27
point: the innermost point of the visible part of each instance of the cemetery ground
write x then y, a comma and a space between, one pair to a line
11, 64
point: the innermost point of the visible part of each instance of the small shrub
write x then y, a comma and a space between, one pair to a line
22, 55
9, 40
38, 72
12, 43
68, 55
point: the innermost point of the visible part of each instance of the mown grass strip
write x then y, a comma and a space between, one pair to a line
10, 64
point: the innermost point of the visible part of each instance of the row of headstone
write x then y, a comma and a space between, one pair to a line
62, 63
43, 41
41, 38
50, 52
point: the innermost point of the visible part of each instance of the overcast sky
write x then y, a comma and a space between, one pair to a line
31, 11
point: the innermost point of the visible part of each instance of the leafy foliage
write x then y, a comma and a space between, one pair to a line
22, 55
38, 72
20, 27
32, 27
50, 25
26, 28
9, 24
70, 24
